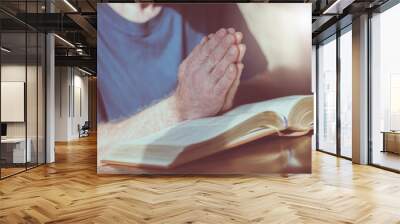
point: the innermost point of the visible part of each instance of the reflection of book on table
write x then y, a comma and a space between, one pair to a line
195, 139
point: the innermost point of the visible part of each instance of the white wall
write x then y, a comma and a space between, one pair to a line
16, 73
70, 84
81, 85
33, 127
288, 36
61, 103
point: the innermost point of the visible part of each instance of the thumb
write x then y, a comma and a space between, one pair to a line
232, 91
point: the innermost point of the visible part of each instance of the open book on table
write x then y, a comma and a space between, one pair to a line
195, 139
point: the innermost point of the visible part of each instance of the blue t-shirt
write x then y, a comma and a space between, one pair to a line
138, 63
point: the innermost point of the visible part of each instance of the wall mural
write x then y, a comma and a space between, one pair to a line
204, 88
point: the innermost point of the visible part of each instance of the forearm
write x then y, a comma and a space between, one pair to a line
157, 117
154, 118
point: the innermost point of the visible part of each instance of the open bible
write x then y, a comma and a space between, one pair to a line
195, 139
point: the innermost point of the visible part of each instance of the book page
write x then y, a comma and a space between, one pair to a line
161, 148
196, 131
281, 106
192, 132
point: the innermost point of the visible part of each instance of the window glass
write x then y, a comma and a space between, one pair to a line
346, 94
327, 96
385, 87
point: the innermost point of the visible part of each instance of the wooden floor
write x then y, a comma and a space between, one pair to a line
387, 159
5, 172
70, 191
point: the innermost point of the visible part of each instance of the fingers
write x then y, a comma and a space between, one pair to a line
195, 51
233, 89
242, 50
223, 85
217, 45
211, 44
230, 57
209, 77
219, 52
238, 35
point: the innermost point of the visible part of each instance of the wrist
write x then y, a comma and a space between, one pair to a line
175, 103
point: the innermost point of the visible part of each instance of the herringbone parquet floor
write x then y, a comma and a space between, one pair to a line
70, 191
